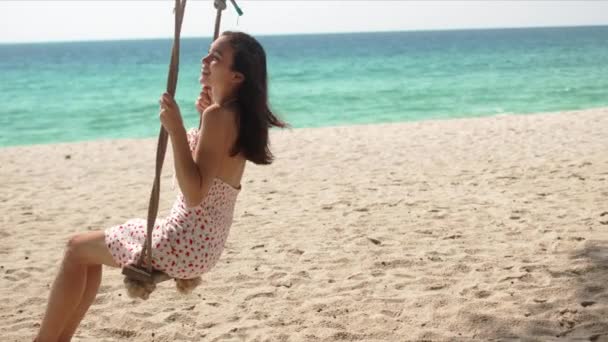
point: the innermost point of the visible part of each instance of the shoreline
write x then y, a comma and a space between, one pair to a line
592, 109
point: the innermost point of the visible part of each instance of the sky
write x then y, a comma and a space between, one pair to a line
44, 21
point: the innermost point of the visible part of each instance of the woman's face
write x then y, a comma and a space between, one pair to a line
217, 65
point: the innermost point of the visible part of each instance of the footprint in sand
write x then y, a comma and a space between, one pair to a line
120, 333
399, 263
258, 315
378, 273
435, 287
179, 317
483, 294
144, 314
22, 326
208, 325
587, 303
596, 337
277, 275
260, 295
296, 251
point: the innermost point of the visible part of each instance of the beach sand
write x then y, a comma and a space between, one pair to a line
465, 229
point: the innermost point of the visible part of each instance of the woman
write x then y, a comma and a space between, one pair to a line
209, 165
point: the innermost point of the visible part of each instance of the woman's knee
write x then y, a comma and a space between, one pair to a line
89, 249
73, 248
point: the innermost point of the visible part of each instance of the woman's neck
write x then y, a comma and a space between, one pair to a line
223, 98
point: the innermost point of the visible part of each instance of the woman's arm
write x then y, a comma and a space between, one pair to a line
186, 171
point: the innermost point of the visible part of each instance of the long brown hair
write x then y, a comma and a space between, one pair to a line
255, 118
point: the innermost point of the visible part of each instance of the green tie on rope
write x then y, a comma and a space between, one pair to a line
237, 8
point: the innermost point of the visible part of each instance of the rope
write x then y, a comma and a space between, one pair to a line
163, 137
137, 271
220, 5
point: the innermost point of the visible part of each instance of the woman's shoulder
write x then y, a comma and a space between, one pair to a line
220, 117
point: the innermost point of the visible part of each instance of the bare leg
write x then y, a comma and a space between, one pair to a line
65, 295
90, 292
83, 250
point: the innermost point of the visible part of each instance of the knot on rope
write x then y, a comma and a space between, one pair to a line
219, 4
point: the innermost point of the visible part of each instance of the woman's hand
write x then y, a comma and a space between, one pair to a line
204, 100
170, 116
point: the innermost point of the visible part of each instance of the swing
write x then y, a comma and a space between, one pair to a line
141, 274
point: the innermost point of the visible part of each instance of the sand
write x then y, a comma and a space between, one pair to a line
466, 229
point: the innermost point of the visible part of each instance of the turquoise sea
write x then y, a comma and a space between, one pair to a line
59, 92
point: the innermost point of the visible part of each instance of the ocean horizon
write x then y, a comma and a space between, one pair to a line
107, 89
